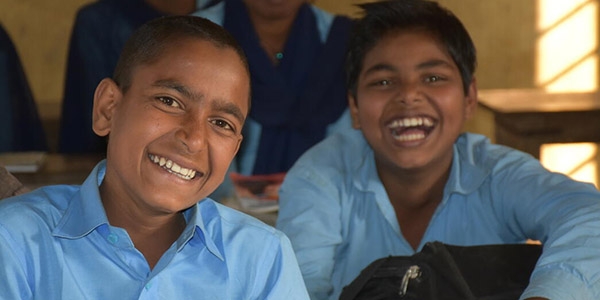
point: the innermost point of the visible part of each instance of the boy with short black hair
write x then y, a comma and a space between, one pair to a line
410, 176
140, 226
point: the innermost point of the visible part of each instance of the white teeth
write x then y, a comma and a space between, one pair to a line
411, 122
410, 137
172, 167
418, 123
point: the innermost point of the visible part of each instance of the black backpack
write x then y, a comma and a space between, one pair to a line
441, 271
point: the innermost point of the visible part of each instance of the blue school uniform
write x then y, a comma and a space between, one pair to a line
337, 214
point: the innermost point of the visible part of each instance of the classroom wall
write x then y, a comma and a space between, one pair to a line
40, 31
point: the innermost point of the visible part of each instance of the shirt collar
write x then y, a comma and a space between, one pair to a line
85, 213
201, 221
468, 172
466, 175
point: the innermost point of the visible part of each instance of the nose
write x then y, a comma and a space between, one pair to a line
193, 133
410, 93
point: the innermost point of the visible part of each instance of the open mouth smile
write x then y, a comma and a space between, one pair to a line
411, 129
173, 168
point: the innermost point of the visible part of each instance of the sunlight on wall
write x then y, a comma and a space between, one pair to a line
579, 163
567, 61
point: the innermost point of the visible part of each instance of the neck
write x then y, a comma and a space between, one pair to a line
272, 33
415, 188
415, 198
151, 233
173, 7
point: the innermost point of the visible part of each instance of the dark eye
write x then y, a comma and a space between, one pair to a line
169, 101
222, 124
380, 83
433, 78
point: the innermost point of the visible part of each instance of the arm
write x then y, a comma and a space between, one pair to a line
13, 279
309, 204
284, 281
565, 216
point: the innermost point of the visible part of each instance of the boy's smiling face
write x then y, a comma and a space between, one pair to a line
410, 103
174, 132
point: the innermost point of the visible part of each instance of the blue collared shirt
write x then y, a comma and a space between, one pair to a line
337, 214
56, 243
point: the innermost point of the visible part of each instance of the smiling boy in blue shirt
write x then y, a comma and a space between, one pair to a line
407, 175
140, 226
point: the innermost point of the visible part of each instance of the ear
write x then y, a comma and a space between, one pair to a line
353, 105
106, 98
471, 100
239, 143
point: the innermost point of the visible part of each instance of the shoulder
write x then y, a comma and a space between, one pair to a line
244, 240
35, 212
341, 150
214, 13
325, 20
237, 227
335, 164
322, 16
481, 151
502, 166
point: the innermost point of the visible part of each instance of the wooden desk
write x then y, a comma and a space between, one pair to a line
60, 169
525, 119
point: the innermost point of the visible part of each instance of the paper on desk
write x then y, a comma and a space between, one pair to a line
23, 162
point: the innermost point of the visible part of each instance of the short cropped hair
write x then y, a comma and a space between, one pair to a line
148, 43
385, 17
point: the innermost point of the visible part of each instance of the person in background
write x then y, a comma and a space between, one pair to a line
99, 33
407, 174
296, 52
140, 226
20, 124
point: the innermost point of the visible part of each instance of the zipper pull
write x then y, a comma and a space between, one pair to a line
413, 272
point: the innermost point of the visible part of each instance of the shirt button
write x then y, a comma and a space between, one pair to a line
148, 286
112, 238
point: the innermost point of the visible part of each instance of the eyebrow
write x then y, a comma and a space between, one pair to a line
424, 65
228, 108
434, 63
219, 105
175, 85
379, 67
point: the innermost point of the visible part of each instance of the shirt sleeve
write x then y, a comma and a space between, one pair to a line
561, 213
284, 281
309, 214
13, 279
